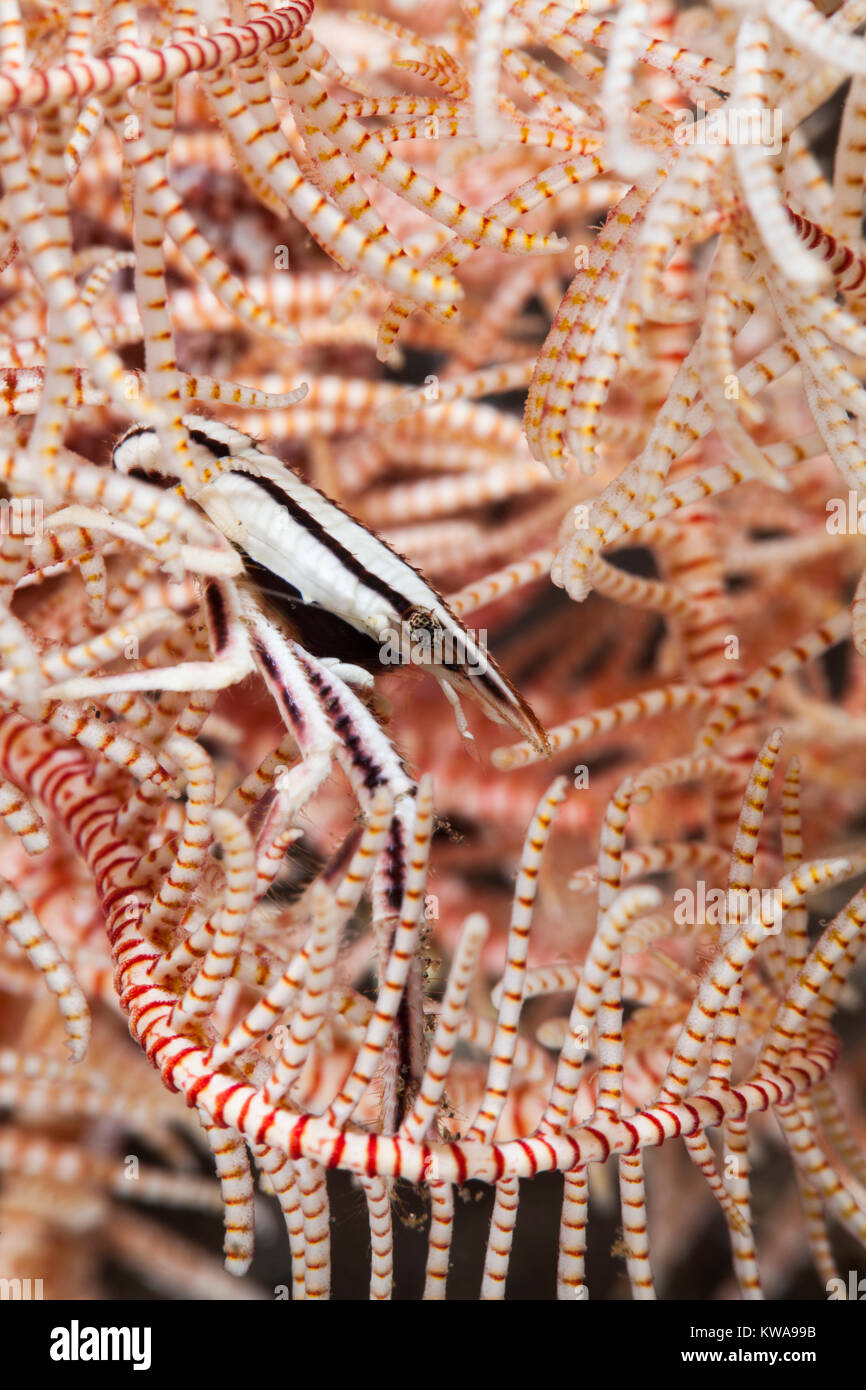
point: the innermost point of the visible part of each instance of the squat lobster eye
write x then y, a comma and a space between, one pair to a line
421, 629
431, 643
421, 618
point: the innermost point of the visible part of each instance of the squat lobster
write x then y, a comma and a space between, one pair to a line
341, 590
312, 572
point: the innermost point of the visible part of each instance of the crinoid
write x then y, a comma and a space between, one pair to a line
345, 950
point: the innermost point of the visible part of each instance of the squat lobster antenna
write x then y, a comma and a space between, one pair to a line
485, 683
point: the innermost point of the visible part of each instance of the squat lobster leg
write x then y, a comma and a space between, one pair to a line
297, 682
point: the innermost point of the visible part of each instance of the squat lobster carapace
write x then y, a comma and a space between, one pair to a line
344, 593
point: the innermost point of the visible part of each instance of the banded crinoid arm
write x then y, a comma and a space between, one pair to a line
846, 213
397, 1021
35, 89
145, 146
238, 1105
718, 367
22, 819
311, 970
621, 153
597, 1002
229, 922
592, 303
393, 172
659, 858
826, 39
50, 260
734, 1193
54, 274
690, 69
729, 966
281, 994
647, 705
618, 512
149, 175
377, 254
502, 1053
27, 931
755, 168
527, 196
678, 424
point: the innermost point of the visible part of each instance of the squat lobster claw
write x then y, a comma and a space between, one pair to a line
344, 593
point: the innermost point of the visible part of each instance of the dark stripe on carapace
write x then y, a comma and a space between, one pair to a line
215, 447
326, 634
146, 475
133, 433
317, 629
350, 562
